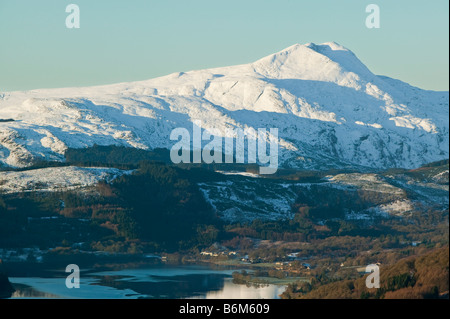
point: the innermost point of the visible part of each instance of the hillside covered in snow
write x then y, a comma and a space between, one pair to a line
330, 109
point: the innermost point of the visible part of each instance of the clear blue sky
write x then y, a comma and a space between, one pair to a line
133, 40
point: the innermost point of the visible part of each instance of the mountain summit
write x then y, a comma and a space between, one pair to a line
330, 109
329, 62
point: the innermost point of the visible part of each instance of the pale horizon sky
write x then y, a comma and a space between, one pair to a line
122, 41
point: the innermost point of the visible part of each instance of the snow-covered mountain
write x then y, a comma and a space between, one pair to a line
330, 109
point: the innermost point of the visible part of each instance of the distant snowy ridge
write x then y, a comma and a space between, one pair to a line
56, 178
330, 109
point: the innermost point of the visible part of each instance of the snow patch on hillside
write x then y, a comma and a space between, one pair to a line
367, 182
56, 178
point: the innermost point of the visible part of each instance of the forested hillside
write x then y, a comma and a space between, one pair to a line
422, 276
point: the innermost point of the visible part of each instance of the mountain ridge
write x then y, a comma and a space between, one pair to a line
330, 109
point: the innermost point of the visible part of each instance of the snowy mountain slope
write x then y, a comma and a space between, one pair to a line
331, 111
56, 178
249, 198
362, 196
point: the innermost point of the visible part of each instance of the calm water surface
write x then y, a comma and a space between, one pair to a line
154, 282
